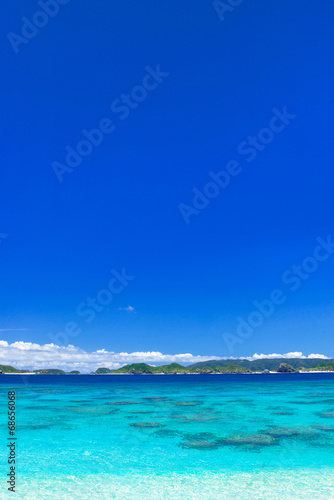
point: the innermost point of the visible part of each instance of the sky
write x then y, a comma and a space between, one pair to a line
166, 166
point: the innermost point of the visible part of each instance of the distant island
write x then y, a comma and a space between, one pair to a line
7, 370
242, 366
224, 366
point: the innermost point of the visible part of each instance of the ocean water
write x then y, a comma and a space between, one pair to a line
171, 437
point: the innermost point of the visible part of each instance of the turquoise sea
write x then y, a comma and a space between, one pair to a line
171, 437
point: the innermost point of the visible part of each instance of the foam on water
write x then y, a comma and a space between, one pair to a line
290, 484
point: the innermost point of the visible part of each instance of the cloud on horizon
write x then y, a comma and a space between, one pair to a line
13, 329
287, 356
27, 355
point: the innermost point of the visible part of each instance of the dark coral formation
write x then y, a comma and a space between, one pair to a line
187, 403
325, 428
327, 414
249, 439
287, 432
200, 445
146, 425
153, 399
123, 403
283, 413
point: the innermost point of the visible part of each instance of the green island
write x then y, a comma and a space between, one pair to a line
6, 369
175, 368
242, 366
264, 366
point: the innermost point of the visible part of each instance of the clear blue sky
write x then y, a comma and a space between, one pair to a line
120, 206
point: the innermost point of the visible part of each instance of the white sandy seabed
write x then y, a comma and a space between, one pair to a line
297, 484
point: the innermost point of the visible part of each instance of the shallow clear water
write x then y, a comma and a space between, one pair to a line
172, 437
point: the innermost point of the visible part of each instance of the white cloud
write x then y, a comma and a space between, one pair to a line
322, 356
128, 308
28, 355
288, 355
13, 329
